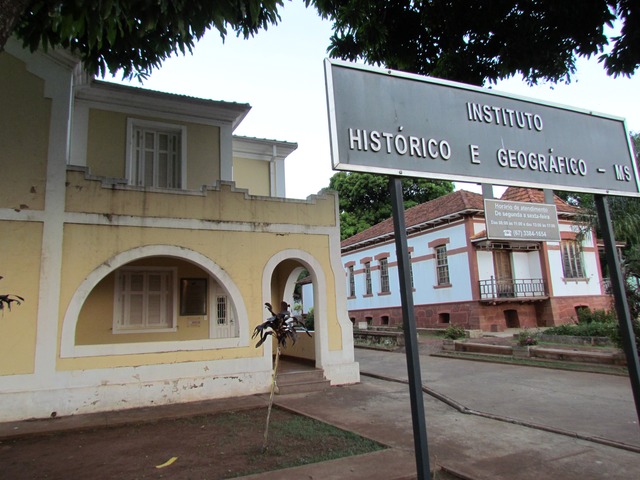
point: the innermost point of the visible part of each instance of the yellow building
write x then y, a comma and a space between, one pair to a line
145, 239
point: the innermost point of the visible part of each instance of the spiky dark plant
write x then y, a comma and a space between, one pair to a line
284, 327
6, 299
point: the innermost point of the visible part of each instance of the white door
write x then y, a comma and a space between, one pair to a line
223, 322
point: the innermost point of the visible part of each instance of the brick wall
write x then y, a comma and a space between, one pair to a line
487, 317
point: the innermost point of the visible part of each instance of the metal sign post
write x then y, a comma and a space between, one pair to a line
406, 125
622, 307
410, 332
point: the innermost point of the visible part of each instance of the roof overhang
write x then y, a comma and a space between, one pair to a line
112, 96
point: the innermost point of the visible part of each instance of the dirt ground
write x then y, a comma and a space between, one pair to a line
206, 447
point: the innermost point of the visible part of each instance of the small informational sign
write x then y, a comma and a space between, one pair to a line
536, 222
395, 123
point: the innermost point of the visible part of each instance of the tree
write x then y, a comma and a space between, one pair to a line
474, 42
132, 36
455, 39
283, 326
364, 198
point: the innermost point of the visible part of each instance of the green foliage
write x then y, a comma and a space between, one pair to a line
365, 200
137, 36
616, 337
309, 321
587, 316
527, 338
466, 41
474, 42
454, 332
596, 323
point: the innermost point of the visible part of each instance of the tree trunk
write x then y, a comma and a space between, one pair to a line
273, 389
10, 13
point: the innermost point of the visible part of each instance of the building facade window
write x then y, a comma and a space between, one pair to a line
145, 300
442, 265
572, 263
156, 155
367, 279
352, 282
384, 275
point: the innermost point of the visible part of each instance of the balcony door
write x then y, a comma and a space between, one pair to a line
504, 273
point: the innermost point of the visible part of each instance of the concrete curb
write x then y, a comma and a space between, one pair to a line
463, 409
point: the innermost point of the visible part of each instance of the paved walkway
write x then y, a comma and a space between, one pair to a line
590, 409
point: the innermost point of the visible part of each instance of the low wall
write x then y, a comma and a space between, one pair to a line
561, 354
378, 339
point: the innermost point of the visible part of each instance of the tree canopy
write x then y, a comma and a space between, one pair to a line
474, 42
459, 40
134, 36
364, 198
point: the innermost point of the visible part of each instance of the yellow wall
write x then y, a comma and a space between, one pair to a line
107, 149
24, 136
242, 255
106, 143
95, 321
21, 246
203, 155
254, 175
215, 205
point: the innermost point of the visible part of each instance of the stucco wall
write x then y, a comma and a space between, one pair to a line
254, 175
21, 250
24, 136
107, 147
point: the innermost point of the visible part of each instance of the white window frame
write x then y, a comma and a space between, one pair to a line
352, 281
172, 311
572, 259
368, 288
443, 277
135, 123
384, 275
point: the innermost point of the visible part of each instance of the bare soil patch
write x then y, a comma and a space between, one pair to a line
219, 446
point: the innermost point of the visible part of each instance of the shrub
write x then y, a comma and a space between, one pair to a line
454, 332
309, 321
587, 316
597, 323
527, 338
616, 338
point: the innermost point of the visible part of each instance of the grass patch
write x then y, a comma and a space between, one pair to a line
296, 440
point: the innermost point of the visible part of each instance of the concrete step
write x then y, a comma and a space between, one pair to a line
301, 381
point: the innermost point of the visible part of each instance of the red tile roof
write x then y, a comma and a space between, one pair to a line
456, 204
516, 194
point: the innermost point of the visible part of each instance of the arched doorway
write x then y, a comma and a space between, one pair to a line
279, 280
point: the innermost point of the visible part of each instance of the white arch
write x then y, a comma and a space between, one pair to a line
69, 349
291, 285
319, 292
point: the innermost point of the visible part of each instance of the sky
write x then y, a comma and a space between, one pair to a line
280, 73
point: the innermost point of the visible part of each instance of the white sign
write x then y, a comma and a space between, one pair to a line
382, 121
521, 221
